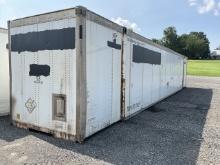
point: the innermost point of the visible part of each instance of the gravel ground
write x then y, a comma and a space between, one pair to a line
183, 129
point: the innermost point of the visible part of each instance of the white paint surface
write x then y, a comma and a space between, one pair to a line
4, 75
103, 78
62, 80
146, 84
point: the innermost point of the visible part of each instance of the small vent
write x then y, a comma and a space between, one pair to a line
18, 116
59, 107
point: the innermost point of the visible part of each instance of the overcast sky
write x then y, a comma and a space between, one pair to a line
147, 17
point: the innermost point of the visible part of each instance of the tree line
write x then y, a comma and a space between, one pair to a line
194, 45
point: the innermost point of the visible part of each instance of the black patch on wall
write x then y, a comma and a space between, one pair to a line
39, 70
144, 55
59, 39
114, 44
80, 32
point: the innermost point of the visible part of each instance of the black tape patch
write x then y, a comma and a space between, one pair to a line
114, 44
80, 32
144, 55
39, 70
59, 39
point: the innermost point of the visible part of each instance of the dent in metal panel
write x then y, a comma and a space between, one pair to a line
58, 39
144, 55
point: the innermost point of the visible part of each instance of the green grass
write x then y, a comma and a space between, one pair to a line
204, 68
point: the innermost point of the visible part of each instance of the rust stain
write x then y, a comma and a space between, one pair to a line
122, 80
56, 134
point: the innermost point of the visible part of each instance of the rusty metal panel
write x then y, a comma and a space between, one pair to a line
4, 73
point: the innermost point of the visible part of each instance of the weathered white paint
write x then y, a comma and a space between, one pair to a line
62, 80
4, 73
184, 73
146, 84
103, 78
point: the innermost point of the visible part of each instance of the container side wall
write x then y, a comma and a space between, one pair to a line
103, 76
43, 65
185, 72
151, 80
142, 79
4, 75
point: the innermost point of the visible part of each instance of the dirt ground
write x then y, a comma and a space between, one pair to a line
183, 129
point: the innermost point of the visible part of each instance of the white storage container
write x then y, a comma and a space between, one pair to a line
73, 73
4, 73
151, 73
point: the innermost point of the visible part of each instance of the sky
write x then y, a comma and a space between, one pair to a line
147, 17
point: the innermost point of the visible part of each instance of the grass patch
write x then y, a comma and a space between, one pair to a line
204, 68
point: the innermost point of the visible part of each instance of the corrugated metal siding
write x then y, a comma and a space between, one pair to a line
4, 73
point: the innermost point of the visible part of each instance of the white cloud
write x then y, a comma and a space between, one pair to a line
206, 6
2, 2
192, 2
124, 22
216, 12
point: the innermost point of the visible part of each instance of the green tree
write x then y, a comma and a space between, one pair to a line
205, 53
170, 38
195, 48
182, 44
157, 41
194, 45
